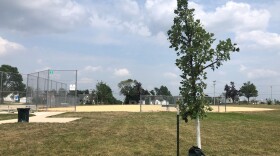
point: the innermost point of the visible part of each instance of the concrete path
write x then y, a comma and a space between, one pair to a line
42, 117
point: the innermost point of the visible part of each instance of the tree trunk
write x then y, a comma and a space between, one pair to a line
198, 138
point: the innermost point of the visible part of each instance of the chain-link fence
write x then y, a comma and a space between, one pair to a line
52, 88
40, 90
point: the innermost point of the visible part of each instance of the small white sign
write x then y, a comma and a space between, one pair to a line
72, 87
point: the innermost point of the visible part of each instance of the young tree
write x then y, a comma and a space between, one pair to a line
248, 90
193, 45
231, 92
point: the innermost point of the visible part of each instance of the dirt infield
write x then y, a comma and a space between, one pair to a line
149, 108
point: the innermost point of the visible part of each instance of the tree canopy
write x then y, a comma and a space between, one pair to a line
104, 94
231, 91
248, 90
132, 89
194, 47
11, 81
162, 90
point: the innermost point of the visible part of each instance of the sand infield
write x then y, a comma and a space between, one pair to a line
42, 115
149, 108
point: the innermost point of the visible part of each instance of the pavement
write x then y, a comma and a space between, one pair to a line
43, 117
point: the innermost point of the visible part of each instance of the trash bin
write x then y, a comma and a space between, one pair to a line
195, 151
23, 114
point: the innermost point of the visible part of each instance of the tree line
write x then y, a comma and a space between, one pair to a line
12, 82
248, 90
130, 89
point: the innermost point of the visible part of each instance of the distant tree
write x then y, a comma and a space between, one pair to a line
231, 92
11, 81
145, 92
83, 91
139, 89
152, 92
104, 93
248, 90
196, 52
131, 89
162, 90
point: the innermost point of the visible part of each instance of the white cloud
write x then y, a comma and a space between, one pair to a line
137, 28
159, 14
128, 7
121, 72
112, 23
234, 17
105, 22
41, 16
7, 47
261, 73
86, 80
170, 75
39, 61
161, 10
242, 68
43, 69
92, 68
161, 38
260, 38
258, 73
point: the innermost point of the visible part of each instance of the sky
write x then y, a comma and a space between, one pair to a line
113, 40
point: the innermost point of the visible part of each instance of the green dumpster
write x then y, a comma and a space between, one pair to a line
23, 114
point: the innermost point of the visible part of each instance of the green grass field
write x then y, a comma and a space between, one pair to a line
122, 133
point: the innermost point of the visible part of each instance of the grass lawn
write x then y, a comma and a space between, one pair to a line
123, 133
8, 116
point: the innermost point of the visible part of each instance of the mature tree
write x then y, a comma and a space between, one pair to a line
231, 92
104, 94
144, 92
11, 81
193, 45
248, 90
131, 89
162, 90
152, 92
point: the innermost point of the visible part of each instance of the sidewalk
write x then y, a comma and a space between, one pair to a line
42, 117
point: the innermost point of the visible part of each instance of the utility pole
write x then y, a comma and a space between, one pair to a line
271, 94
214, 91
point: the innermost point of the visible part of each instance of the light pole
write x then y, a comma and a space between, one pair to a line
214, 91
271, 93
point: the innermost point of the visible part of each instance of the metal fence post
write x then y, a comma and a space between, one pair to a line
48, 83
75, 103
26, 92
1, 89
178, 130
37, 92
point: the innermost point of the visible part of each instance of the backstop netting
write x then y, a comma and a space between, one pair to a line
52, 88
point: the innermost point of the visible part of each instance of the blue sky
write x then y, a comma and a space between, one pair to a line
113, 40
